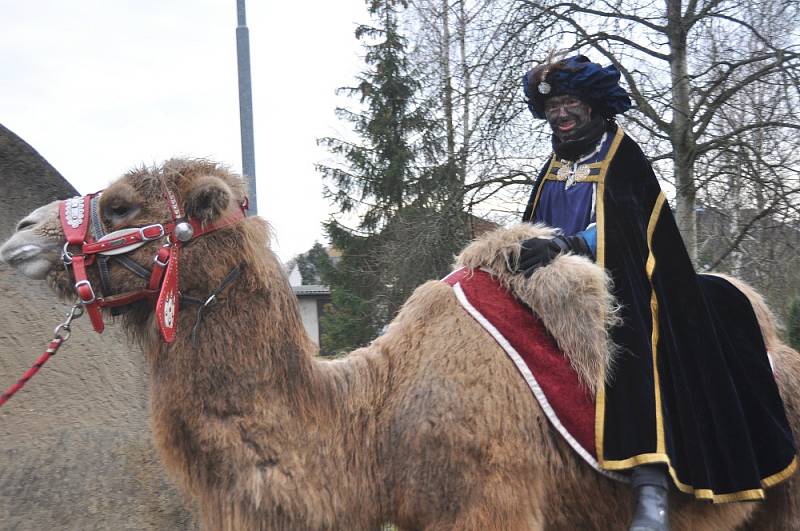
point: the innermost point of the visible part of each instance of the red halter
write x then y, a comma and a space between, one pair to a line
163, 281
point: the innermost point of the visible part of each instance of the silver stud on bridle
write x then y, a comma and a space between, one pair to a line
184, 231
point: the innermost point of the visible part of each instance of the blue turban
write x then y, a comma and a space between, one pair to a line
576, 76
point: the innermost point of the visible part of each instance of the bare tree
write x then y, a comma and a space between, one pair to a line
471, 64
684, 64
750, 180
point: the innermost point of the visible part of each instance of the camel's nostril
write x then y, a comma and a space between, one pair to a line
24, 224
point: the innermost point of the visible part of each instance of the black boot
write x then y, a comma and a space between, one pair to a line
650, 487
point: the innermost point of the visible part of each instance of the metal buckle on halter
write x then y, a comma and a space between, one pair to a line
66, 256
147, 238
91, 290
159, 262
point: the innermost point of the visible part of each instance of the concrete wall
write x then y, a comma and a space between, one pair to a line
309, 314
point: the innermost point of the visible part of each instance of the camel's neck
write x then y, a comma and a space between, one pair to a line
247, 403
251, 341
251, 353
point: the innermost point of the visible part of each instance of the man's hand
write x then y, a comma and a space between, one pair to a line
538, 252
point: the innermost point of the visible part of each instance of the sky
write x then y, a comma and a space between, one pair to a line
98, 87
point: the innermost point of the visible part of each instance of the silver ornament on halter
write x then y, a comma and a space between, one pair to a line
184, 231
169, 311
544, 87
73, 212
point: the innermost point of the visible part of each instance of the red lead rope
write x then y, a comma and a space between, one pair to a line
52, 348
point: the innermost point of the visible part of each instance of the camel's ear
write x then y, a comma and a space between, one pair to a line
208, 199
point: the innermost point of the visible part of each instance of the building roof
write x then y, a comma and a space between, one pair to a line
311, 290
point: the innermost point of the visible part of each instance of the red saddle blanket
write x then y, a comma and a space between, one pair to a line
547, 372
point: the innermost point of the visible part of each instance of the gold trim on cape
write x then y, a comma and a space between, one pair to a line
600, 220
661, 447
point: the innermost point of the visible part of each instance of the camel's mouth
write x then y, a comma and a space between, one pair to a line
34, 249
34, 260
21, 253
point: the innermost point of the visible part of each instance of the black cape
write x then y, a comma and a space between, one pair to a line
692, 387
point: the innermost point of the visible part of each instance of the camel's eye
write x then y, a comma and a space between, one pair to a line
119, 205
119, 211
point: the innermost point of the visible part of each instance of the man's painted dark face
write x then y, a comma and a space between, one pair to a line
567, 116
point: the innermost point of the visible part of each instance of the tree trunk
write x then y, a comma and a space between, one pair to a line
447, 91
465, 109
681, 134
735, 184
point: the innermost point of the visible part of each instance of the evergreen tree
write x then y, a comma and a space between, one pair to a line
315, 265
382, 181
355, 315
379, 177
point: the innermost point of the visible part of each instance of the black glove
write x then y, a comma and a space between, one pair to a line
538, 252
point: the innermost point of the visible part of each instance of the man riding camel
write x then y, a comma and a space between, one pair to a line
692, 401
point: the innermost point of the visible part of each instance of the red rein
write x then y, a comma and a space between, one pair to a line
52, 348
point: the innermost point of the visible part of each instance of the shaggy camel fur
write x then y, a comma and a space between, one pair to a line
429, 427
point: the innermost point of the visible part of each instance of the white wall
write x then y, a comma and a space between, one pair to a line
308, 312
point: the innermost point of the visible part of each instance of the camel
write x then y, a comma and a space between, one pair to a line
428, 427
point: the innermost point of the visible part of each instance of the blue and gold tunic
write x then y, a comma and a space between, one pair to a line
568, 196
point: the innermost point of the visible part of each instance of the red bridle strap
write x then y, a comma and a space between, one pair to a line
74, 214
163, 282
121, 241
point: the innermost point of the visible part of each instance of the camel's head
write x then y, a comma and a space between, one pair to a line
119, 258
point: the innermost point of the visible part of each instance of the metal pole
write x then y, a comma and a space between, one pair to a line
246, 107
